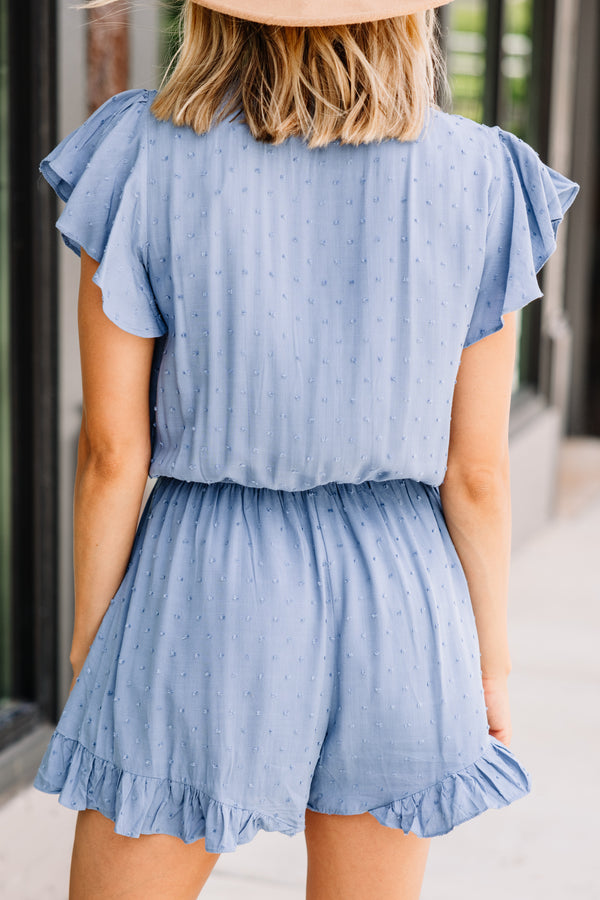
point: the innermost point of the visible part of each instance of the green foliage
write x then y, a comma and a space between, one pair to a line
170, 11
468, 17
518, 16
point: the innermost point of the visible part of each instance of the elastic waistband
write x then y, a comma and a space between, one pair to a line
250, 487
331, 487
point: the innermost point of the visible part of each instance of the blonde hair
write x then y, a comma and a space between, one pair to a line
354, 83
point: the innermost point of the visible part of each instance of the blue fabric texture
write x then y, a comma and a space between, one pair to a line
294, 628
529, 203
314, 304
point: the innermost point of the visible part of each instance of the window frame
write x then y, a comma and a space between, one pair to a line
31, 693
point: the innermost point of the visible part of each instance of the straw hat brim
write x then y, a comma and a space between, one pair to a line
312, 12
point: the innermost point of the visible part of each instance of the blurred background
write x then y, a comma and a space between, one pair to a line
527, 65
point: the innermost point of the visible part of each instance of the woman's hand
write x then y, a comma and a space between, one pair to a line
495, 689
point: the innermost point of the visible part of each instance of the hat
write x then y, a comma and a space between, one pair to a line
315, 12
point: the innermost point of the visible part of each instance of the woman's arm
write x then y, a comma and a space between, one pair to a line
112, 459
475, 493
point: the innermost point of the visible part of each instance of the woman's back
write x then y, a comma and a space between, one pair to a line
309, 628
313, 304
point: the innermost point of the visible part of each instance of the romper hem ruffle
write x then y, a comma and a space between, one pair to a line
141, 804
492, 781
146, 804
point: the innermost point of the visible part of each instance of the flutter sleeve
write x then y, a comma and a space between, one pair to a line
99, 171
528, 204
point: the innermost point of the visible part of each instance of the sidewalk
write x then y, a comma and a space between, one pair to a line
544, 845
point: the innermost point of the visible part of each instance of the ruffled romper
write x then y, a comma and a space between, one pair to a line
294, 627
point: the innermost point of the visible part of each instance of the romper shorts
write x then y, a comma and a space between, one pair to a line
269, 651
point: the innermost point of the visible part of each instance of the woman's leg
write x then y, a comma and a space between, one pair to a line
109, 866
358, 858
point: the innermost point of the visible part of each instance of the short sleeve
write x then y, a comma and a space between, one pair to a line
528, 203
99, 171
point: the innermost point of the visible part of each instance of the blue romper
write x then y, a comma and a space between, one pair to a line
294, 627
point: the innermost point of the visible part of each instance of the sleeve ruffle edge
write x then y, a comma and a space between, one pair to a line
531, 203
98, 172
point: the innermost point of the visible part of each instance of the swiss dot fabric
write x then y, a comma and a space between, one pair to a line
313, 304
269, 651
294, 627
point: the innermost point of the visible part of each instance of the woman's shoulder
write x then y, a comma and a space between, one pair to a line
514, 167
121, 111
107, 140
453, 132
125, 99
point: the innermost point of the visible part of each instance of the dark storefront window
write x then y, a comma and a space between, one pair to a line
5, 499
28, 371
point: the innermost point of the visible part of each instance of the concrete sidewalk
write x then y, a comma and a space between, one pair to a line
544, 845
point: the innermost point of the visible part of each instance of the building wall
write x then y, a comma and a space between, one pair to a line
539, 422
583, 308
